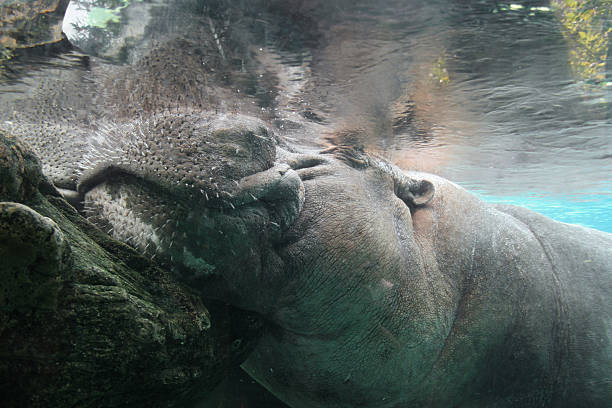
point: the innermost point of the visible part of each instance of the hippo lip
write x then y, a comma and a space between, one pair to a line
279, 188
99, 175
274, 184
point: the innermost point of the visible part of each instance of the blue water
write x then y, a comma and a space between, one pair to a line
589, 209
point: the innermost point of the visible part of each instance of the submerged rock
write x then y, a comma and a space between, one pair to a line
34, 253
20, 171
86, 321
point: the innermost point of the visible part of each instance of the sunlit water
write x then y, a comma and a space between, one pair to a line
479, 92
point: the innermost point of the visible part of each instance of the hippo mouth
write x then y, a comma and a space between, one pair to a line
125, 203
202, 228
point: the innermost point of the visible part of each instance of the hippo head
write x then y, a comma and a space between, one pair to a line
323, 245
202, 193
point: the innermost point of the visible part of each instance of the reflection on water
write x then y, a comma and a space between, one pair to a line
484, 93
479, 93
586, 27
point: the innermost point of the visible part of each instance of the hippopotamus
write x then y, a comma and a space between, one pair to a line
380, 287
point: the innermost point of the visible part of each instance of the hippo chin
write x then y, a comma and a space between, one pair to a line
382, 288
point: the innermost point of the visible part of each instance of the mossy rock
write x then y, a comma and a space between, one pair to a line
20, 171
86, 321
34, 253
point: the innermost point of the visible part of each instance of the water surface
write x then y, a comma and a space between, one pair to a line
482, 93
492, 95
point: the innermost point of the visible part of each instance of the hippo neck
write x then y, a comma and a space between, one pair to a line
491, 258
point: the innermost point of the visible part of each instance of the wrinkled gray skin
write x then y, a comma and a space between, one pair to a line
381, 288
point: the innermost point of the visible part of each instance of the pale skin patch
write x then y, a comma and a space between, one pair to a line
127, 226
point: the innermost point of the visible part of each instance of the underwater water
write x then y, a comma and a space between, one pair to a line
587, 209
508, 99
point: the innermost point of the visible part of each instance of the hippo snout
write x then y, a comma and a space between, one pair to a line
188, 154
279, 187
207, 195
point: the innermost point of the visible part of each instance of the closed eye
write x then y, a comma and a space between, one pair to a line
306, 161
310, 166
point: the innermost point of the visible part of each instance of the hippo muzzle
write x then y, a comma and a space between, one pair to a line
207, 195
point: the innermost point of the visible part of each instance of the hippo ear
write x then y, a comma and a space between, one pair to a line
415, 192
